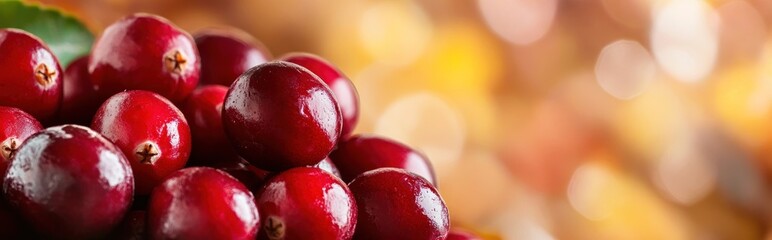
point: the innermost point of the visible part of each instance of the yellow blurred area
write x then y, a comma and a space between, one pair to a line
546, 119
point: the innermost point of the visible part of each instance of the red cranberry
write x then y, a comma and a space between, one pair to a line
362, 153
279, 115
306, 201
69, 182
202, 203
396, 204
80, 98
145, 52
30, 75
227, 53
133, 227
203, 110
15, 127
458, 234
341, 86
149, 130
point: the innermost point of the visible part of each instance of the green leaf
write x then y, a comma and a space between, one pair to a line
67, 37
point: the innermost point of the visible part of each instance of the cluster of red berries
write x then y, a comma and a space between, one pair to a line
166, 157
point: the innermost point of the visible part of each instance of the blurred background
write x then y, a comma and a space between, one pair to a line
546, 119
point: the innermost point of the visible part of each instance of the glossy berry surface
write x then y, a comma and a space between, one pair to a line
30, 75
306, 201
150, 131
145, 52
202, 203
396, 204
362, 153
457, 234
80, 100
203, 110
15, 127
279, 115
69, 182
227, 53
327, 165
341, 86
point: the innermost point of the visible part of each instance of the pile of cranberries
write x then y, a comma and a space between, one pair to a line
157, 134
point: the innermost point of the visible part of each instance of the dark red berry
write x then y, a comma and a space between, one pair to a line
15, 127
341, 86
396, 204
69, 182
202, 203
251, 176
145, 52
150, 130
133, 227
80, 98
458, 234
362, 153
203, 110
30, 75
304, 202
227, 53
279, 115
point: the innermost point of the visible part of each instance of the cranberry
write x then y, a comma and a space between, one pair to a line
70, 182
306, 201
30, 75
15, 127
149, 130
458, 234
202, 203
363, 153
227, 53
341, 86
203, 110
396, 204
133, 227
80, 98
145, 52
279, 115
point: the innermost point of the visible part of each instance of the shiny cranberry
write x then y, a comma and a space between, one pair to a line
202, 203
150, 130
203, 110
458, 234
15, 127
145, 52
279, 115
80, 98
362, 153
341, 86
306, 201
396, 204
227, 53
30, 75
133, 227
69, 182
